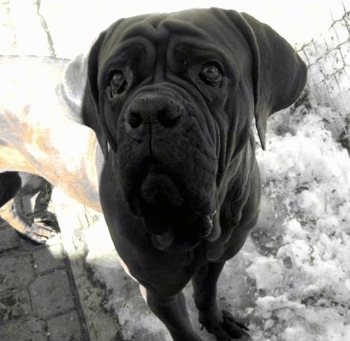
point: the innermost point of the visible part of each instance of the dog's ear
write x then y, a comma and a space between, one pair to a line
90, 108
279, 74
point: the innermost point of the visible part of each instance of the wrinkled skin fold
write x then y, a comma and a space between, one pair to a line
172, 98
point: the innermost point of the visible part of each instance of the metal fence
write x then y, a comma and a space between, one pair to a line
328, 60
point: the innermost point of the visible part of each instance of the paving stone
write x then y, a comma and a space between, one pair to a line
16, 271
14, 306
65, 327
48, 259
9, 239
3, 224
51, 294
29, 245
30, 329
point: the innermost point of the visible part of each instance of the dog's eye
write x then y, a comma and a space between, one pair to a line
117, 83
211, 74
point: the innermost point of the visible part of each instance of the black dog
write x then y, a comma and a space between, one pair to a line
171, 98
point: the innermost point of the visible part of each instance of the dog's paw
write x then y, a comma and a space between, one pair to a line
41, 227
38, 232
38, 227
229, 329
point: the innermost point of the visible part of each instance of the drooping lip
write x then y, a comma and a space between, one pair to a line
169, 215
181, 230
171, 242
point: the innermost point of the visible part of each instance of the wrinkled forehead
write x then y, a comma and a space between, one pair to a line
201, 29
158, 27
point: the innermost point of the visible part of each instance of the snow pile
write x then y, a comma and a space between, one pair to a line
301, 276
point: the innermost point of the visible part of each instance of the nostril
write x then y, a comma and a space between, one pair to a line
134, 119
168, 118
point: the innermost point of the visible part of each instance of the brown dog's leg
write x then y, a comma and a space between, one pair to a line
38, 226
173, 313
216, 321
36, 231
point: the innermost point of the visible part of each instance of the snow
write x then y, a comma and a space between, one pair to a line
301, 279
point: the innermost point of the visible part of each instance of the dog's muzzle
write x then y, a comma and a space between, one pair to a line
170, 172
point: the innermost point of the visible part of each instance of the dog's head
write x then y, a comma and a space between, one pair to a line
174, 96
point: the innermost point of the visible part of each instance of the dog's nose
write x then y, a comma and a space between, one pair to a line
153, 110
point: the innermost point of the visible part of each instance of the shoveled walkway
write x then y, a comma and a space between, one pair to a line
38, 297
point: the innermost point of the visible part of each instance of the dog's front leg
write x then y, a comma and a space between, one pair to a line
219, 322
173, 313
